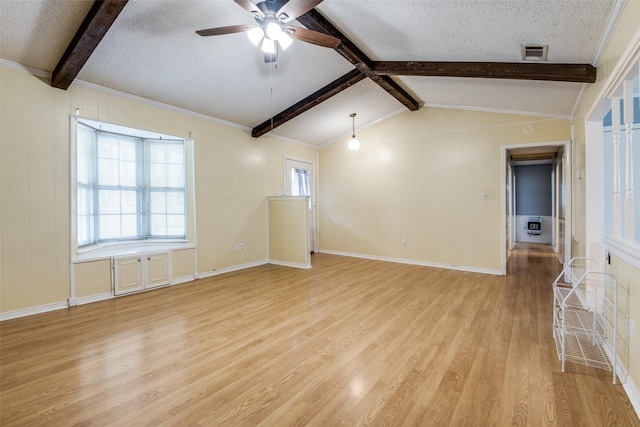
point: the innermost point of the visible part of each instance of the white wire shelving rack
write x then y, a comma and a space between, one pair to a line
586, 323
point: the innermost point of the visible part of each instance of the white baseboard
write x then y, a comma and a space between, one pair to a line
14, 314
217, 271
184, 279
633, 394
94, 298
289, 264
416, 262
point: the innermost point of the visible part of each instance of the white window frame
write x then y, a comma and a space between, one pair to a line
189, 197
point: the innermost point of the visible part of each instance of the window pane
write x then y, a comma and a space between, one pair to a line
82, 202
109, 227
107, 147
175, 202
128, 151
108, 172
82, 170
175, 225
158, 225
158, 202
129, 226
129, 202
299, 182
175, 153
109, 202
128, 174
175, 176
158, 175
83, 236
157, 153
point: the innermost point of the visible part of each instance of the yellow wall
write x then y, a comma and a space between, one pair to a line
417, 177
233, 175
182, 263
289, 231
92, 278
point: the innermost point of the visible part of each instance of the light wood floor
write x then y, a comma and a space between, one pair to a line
350, 342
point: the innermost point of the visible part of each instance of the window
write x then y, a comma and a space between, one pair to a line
621, 166
299, 182
129, 187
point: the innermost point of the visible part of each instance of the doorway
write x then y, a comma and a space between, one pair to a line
545, 219
299, 180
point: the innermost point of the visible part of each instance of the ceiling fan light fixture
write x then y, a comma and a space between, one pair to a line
256, 34
268, 45
273, 30
285, 40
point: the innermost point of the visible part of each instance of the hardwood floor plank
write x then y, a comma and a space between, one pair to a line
350, 342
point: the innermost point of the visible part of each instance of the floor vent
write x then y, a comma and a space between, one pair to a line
534, 53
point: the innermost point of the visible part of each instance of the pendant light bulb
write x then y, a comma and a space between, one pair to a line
285, 40
273, 30
268, 45
353, 143
255, 35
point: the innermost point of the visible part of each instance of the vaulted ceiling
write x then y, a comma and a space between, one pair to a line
152, 51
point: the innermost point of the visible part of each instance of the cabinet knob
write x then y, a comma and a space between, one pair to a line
139, 259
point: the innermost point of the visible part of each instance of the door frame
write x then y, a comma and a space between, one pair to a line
504, 149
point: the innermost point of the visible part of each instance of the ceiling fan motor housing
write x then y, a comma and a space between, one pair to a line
270, 7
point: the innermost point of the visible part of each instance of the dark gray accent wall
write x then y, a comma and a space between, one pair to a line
533, 190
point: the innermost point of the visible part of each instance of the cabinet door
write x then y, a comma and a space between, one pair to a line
156, 269
128, 275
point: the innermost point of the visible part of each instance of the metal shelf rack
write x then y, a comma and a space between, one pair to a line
585, 319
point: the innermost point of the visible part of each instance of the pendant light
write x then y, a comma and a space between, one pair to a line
353, 144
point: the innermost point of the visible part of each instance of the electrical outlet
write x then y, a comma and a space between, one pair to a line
485, 195
239, 247
404, 243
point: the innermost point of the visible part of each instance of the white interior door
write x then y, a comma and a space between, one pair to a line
299, 180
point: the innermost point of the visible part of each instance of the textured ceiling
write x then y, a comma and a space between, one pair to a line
152, 51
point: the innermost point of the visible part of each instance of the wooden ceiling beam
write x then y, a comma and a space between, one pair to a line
580, 73
314, 20
309, 102
95, 25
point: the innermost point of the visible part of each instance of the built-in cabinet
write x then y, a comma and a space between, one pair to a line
142, 271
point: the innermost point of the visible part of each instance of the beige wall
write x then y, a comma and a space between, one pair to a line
289, 231
417, 178
92, 278
233, 175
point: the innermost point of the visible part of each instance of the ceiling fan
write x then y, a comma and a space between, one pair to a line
271, 27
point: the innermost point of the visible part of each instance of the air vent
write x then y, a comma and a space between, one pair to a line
534, 53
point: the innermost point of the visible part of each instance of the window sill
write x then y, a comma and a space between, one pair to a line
103, 251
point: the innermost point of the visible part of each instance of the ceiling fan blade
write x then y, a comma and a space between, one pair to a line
225, 30
313, 37
294, 8
250, 6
